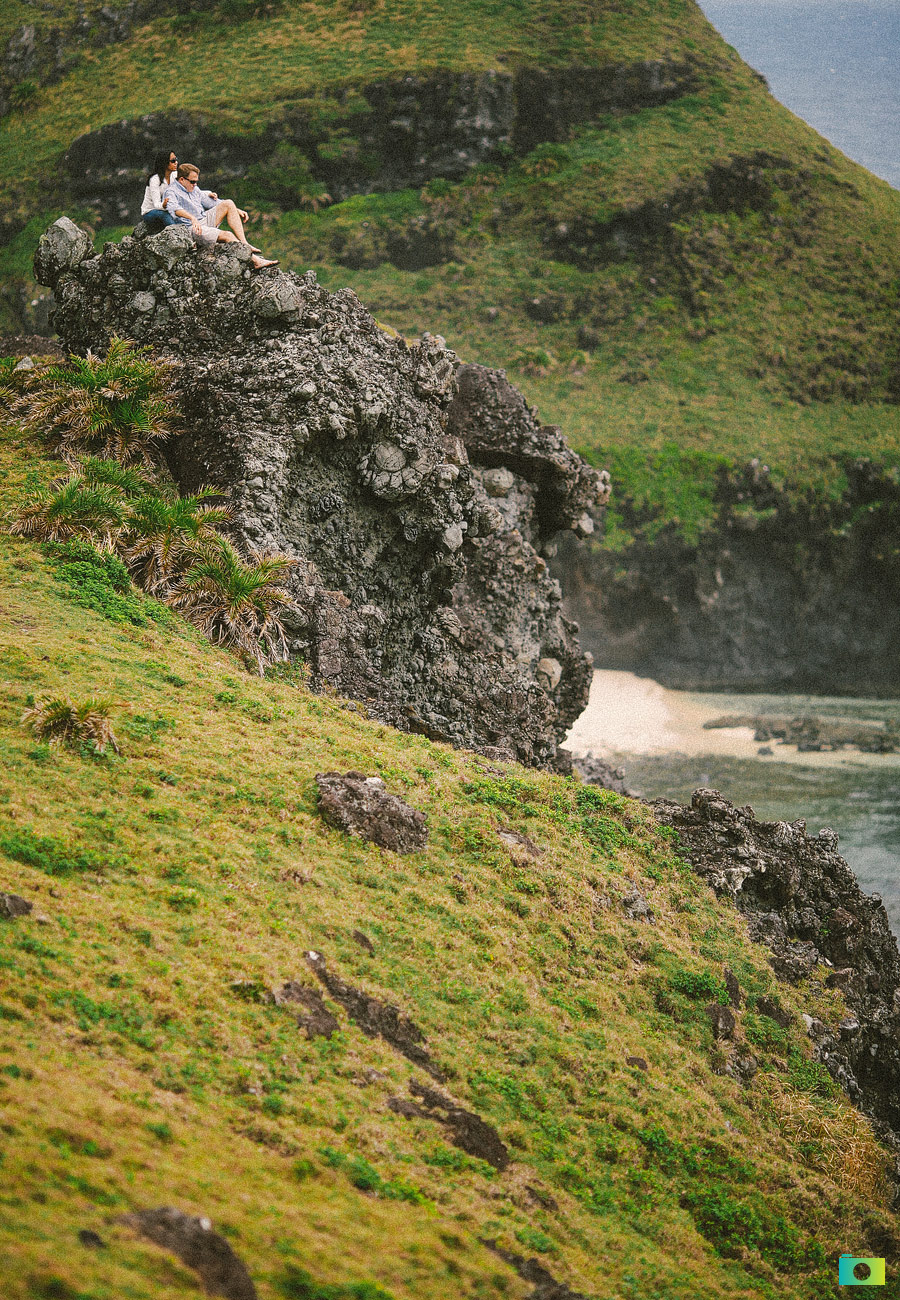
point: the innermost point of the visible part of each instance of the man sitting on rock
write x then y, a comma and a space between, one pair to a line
204, 211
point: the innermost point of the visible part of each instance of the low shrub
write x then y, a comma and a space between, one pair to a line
118, 406
762, 1031
72, 509
102, 583
367, 1178
47, 853
238, 601
297, 1284
733, 1226
698, 984
63, 721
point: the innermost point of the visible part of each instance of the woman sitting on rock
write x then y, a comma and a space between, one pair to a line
153, 208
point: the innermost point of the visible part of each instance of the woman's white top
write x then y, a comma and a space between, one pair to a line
153, 194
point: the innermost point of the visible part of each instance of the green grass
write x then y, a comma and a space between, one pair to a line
142, 1063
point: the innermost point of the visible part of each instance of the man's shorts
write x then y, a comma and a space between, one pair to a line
209, 231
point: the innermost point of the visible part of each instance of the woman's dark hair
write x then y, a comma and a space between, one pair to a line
160, 163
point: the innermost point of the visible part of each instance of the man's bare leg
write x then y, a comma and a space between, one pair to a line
227, 210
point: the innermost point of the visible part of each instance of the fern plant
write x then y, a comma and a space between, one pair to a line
72, 509
118, 406
63, 721
163, 537
238, 601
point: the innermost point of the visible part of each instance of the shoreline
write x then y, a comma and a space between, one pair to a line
631, 715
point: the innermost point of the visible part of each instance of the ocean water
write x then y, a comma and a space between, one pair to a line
658, 736
835, 63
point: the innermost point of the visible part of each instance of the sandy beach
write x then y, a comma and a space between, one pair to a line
634, 715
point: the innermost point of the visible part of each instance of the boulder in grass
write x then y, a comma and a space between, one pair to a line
11, 906
361, 806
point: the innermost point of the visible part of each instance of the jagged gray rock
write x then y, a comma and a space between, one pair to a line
596, 771
361, 806
61, 248
803, 901
354, 453
11, 906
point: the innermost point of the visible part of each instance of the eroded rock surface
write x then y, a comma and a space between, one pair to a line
596, 771
195, 1243
377, 1019
546, 1286
465, 1129
803, 901
361, 806
308, 1007
420, 587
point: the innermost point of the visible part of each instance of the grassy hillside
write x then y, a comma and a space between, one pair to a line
143, 1063
713, 280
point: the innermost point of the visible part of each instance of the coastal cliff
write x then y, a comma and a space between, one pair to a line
784, 590
494, 1022
416, 504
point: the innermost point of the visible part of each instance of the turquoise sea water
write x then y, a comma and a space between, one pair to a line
835, 63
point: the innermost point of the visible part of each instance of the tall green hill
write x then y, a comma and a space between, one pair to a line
155, 1050
674, 281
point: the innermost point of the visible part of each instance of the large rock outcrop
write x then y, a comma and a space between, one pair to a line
420, 589
803, 901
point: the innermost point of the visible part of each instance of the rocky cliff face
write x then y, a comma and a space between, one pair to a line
803, 901
385, 135
415, 493
782, 592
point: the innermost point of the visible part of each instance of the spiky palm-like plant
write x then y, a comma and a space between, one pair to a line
70, 509
63, 721
117, 406
163, 538
131, 481
238, 601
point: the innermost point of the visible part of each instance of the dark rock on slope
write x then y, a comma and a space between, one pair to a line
420, 588
377, 1019
465, 1129
195, 1243
11, 906
803, 901
361, 806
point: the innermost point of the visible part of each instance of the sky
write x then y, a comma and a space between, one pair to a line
835, 63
